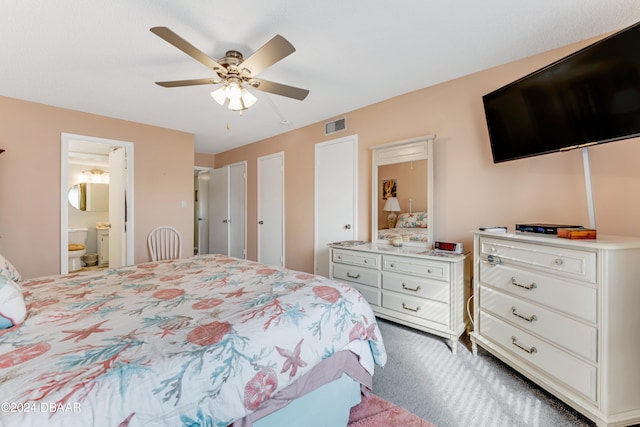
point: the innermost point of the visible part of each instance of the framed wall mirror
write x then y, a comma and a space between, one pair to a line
402, 193
89, 196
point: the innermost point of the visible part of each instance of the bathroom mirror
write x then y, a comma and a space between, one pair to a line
402, 192
90, 196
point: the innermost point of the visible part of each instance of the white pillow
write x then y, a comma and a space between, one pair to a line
7, 269
12, 308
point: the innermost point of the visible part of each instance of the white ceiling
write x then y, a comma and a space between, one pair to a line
100, 57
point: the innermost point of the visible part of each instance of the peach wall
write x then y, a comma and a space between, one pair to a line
30, 180
471, 191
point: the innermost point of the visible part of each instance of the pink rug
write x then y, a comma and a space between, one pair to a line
374, 411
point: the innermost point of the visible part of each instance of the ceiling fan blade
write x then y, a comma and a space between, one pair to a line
177, 41
193, 82
279, 89
271, 52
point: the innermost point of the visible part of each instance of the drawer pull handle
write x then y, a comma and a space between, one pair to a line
353, 276
409, 308
428, 271
365, 261
558, 261
410, 289
529, 350
391, 265
528, 319
494, 259
527, 287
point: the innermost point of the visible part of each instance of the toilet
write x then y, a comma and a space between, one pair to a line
77, 247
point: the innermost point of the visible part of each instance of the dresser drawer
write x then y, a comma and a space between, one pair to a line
362, 276
577, 337
364, 259
419, 287
566, 262
565, 368
416, 266
571, 298
423, 308
372, 295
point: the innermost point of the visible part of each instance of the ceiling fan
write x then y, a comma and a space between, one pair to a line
234, 71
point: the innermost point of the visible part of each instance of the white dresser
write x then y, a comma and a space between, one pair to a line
409, 285
564, 313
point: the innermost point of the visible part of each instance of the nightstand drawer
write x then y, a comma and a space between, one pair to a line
566, 262
577, 337
571, 298
363, 259
423, 288
416, 266
578, 375
359, 275
423, 308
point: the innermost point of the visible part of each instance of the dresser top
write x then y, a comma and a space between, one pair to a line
602, 242
412, 251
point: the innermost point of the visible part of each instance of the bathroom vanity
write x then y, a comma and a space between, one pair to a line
103, 246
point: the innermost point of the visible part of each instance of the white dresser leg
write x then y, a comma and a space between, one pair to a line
454, 346
474, 346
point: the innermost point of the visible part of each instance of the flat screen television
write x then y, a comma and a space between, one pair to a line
591, 96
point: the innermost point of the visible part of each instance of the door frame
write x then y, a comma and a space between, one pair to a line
65, 138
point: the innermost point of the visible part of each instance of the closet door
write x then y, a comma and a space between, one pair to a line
227, 210
271, 209
237, 210
336, 184
219, 211
202, 212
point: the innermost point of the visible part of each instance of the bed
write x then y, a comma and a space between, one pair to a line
205, 341
411, 227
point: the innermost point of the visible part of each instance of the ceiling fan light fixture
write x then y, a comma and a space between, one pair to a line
248, 99
236, 105
233, 90
239, 97
219, 95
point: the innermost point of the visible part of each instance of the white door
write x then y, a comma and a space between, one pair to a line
219, 211
117, 208
237, 209
271, 209
202, 212
336, 183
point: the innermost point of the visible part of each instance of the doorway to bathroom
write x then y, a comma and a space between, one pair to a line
86, 162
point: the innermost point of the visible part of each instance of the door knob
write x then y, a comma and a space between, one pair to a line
348, 226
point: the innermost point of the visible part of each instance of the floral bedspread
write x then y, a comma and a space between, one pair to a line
194, 342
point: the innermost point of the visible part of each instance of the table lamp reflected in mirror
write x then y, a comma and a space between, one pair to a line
392, 205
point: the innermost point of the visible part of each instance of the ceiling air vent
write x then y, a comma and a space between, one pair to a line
335, 126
